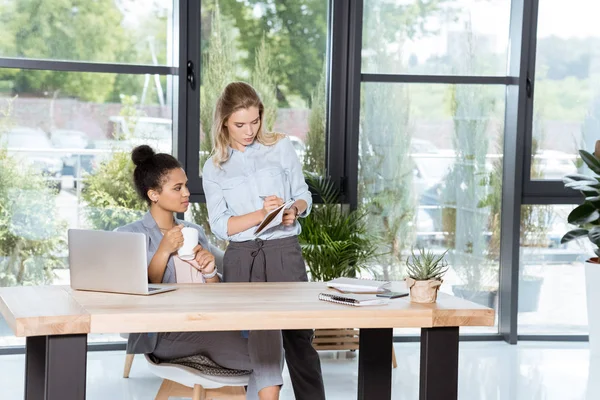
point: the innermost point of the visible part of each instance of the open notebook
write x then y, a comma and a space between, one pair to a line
354, 285
273, 218
356, 300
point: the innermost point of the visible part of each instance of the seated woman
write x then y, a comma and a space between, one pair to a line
160, 180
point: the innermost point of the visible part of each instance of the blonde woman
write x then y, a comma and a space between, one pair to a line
250, 173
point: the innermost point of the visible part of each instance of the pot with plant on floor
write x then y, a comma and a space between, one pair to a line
587, 218
425, 272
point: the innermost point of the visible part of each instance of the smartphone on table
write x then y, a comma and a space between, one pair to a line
392, 295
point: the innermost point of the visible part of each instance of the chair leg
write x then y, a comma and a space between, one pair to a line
128, 362
394, 363
164, 390
227, 392
173, 389
199, 393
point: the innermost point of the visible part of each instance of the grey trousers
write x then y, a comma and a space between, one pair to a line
262, 353
280, 260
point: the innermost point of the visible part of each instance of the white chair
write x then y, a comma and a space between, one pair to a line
182, 381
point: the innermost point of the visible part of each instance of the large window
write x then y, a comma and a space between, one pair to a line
430, 173
106, 31
552, 294
407, 105
430, 154
435, 37
68, 124
566, 113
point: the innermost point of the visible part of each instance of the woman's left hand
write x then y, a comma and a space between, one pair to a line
205, 260
289, 217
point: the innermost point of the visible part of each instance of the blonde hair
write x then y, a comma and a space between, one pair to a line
237, 96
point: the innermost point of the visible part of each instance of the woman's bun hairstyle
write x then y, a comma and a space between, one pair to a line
142, 154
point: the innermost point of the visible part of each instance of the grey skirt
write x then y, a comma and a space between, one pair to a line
277, 260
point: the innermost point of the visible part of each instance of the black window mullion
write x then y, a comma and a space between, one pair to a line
521, 30
337, 74
189, 94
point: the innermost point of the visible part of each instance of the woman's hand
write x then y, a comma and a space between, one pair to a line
290, 216
270, 203
172, 240
205, 260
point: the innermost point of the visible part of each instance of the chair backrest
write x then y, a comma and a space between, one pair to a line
189, 377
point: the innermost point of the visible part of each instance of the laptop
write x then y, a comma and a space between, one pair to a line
115, 262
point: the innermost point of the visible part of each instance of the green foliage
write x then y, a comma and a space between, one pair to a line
31, 234
294, 30
426, 265
335, 241
314, 159
110, 194
218, 70
587, 215
66, 30
264, 83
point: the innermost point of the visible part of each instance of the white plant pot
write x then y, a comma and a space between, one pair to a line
592, 295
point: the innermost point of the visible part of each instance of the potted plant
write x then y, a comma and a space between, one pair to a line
425, 272
335, 240
587, 217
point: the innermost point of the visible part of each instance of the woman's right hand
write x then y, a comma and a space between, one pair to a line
172, 240
270, 203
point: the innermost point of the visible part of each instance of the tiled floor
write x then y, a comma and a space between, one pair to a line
488, 371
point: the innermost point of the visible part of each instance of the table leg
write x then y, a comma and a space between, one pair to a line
55, 367
439, 364
375, 364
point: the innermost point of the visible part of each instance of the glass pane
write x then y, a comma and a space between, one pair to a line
280, 48
462, 37
566, 108
552, 295
65, 163
430, 174
136, 31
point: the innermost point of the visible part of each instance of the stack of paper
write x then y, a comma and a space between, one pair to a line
354, 285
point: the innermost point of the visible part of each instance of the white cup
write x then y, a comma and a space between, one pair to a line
190, 240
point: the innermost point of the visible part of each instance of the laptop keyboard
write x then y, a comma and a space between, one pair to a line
153, 289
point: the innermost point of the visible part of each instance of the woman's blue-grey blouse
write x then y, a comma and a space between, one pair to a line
236, 188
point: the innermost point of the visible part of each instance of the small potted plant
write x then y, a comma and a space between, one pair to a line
425, 272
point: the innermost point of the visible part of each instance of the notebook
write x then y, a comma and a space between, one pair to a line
356, 300
355, 285
273, 218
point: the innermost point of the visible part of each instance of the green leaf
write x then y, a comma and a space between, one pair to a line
577, 184
574, 234
594, 236
583, 214
590, 160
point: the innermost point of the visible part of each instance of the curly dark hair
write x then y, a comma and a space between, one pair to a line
151, 169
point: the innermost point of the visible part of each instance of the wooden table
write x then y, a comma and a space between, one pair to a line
56, 321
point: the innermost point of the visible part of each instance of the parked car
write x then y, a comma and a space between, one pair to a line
299, 146
155, 132
69, 139
34, 148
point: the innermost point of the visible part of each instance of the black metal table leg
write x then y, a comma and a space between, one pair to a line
439, 364
375, 364
55, 367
